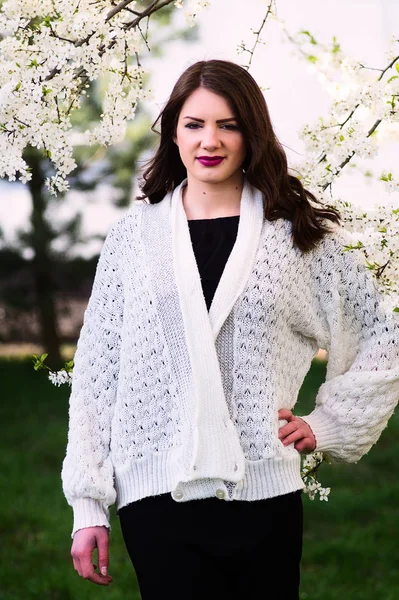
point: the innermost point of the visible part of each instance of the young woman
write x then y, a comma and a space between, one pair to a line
211, 299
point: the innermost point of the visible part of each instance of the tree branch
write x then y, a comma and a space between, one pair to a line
381, 269
154, 7
370, 132
391, 64
257, 34
118, 9
352, 154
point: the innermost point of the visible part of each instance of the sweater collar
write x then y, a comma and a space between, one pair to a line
238, 266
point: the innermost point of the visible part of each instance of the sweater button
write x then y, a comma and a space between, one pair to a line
177, 494
220, 493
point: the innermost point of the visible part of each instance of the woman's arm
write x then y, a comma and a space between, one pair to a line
361, 389
87, 473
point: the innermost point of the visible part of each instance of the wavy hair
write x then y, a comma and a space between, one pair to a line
265, 164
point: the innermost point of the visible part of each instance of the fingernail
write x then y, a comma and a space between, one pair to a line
104, 570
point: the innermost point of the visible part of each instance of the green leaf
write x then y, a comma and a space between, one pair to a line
336, 47
38, 361
392, 78
312, 40
396, 309
69, 366
341, 137
358, 246
312, 59
397, 67
17, 87
386, 177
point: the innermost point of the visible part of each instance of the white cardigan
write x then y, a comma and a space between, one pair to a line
167, 397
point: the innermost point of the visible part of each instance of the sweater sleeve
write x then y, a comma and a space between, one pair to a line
87, 472
361, 389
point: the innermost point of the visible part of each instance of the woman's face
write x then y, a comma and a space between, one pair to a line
211, 146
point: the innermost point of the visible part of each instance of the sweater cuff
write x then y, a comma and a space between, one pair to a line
88, 512
325, 430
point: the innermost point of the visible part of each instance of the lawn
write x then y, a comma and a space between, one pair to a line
350, 543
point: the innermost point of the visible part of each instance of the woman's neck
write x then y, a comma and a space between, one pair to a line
209, 201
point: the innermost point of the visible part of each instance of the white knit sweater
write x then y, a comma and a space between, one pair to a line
167, 397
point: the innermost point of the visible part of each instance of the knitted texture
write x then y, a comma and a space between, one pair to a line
168, 398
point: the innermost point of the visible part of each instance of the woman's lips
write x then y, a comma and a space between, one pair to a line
210, 162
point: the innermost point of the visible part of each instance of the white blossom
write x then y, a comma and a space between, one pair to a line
195, 8
58, 378
324, 492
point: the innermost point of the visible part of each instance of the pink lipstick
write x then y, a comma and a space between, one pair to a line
210, 161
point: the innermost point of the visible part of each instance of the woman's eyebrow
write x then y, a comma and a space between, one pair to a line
218, 121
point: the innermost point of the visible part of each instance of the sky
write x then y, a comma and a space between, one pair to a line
293, 91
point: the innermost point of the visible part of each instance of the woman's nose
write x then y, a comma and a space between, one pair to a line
210, 138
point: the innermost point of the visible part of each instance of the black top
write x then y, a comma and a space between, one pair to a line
212, 240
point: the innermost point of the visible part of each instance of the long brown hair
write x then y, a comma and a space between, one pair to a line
265, 165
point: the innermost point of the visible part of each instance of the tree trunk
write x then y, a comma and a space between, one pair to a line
41, 236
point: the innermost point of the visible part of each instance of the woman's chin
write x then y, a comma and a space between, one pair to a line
213, 176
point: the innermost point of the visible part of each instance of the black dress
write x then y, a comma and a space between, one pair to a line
210, 549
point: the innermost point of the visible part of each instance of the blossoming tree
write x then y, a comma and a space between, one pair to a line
363, 114
50, 54
89, 165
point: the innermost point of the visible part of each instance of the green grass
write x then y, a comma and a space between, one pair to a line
350, 543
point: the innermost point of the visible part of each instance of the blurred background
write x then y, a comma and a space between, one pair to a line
49, 248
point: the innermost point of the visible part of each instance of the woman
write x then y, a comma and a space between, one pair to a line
209, 303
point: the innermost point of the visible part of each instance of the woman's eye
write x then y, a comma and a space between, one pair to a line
227, 126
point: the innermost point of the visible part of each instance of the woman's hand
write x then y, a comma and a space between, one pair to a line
296, 430
84, 542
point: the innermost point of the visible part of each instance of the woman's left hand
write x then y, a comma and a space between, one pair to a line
296, 430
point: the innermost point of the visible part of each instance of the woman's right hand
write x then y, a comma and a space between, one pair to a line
84, 542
